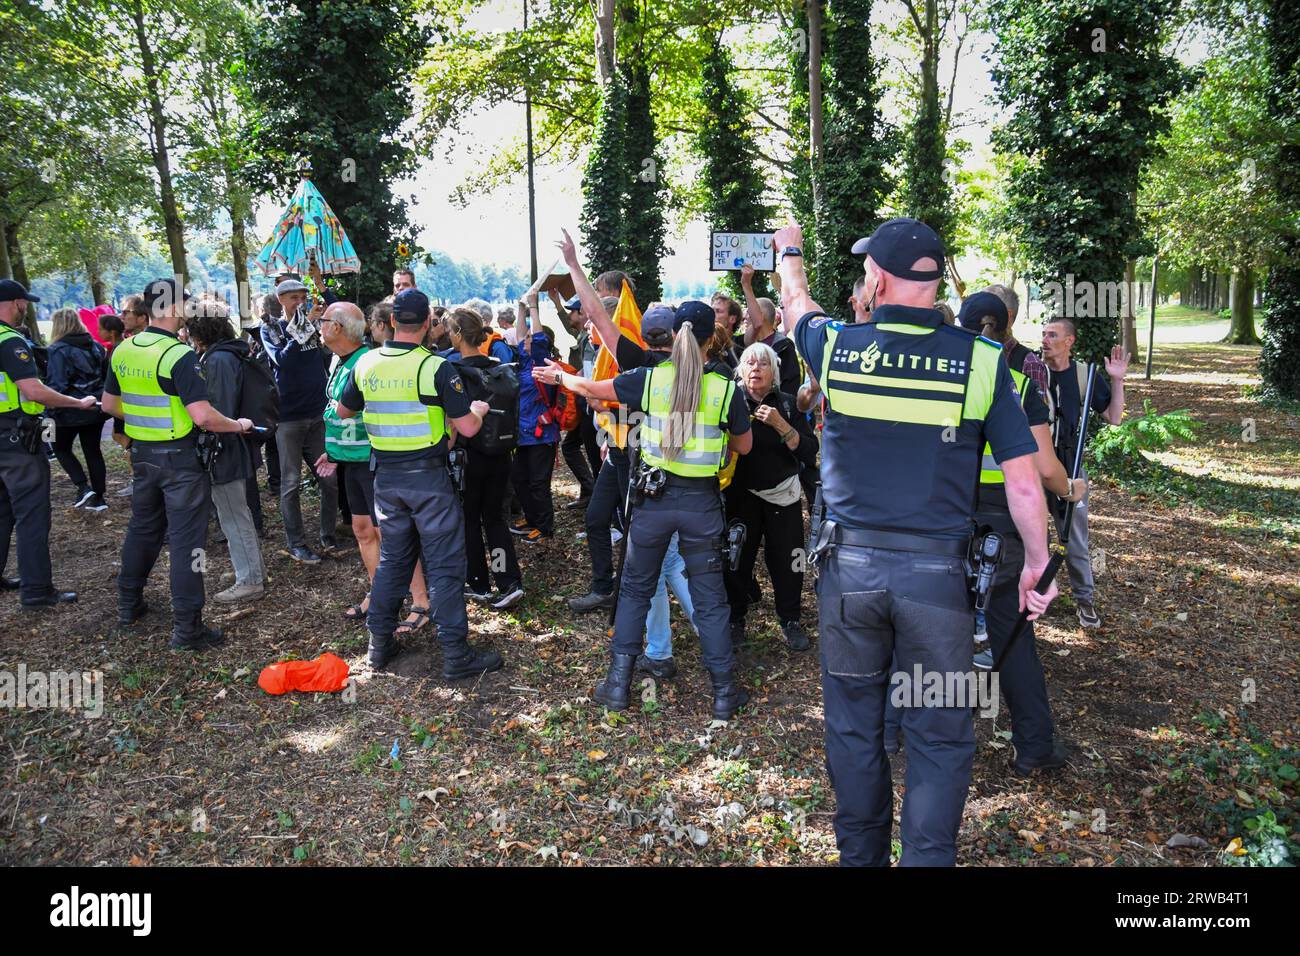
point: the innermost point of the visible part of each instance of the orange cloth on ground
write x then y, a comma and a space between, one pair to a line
328, 673
627, 317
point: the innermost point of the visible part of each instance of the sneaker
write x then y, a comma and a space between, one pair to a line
523, 530
795, 636
983, 659
304, 555
240, 593
96, 503
205, 639
82, 497
483, 597
1088, 615
664, 669
536, 537
591, 602
509, 600
127, 491
1057, 759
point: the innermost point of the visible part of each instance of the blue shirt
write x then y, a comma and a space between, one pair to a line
898, 476
532, 352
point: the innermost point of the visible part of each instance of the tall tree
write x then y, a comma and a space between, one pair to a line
1280, 356
926, 193
605, 180
730, 181
1087, 80
644, 220
799, 119
852, 177
332, 79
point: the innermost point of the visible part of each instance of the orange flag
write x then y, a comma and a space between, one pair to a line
628, 319
328, 673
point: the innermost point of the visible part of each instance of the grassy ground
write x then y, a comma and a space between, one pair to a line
1180, 712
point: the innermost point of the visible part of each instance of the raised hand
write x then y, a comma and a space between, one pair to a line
746, 275
568, 250
1117, 363
788, 235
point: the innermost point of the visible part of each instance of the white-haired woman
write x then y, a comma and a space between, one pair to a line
765, 496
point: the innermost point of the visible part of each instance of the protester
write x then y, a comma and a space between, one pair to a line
857, 303
579, 445
114, 331
487, 479
538, 432
760, 326
380, 327
728, 313
764, 496
403, 279
1067, 383
297, 360
222, 357
493, 343
77, 368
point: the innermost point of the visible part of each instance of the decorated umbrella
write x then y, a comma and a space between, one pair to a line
308, 229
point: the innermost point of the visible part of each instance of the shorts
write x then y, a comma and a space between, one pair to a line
359, 483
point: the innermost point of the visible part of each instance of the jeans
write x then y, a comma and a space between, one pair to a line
241, 536
658, 626
304, 439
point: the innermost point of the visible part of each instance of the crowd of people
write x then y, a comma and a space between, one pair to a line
702, 435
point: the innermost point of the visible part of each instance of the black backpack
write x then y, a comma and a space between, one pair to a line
259, 399
498, 385
89, 368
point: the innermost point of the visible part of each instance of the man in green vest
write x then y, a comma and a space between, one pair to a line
155, 385
24, 469
411, 399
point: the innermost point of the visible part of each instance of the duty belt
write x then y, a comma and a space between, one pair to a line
831, 534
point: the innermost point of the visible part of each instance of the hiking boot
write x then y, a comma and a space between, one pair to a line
1055, 760
240, 593
202, 639
304, 555
728, 695
509, 600
615, 691
128, 614
591, 602
795, 636
471, 662
1088, 615
665, 669
381, 651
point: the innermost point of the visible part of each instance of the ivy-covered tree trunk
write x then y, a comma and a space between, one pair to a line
1087, 80
926, 195
799, 186
852, 178
644, 218
605, 181
729, 178
1279, 360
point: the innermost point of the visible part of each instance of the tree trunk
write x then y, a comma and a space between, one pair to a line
96, 285
172, 224
604, 40
6, 268
1225, 293
239, 252
816, 114
1128, 337
19, 268
1242, 331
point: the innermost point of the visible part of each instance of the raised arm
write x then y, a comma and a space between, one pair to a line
592, 307
796, 300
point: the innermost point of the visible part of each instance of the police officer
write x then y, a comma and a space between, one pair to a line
693, 413
156, 387
1020, 678
24, 467
410, 398
918, 399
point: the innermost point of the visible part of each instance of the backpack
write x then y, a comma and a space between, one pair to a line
259, 399
498, 385
565, 412
90, 367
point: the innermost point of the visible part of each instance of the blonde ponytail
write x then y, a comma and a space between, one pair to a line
688, 369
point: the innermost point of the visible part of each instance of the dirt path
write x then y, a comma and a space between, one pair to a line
192, 763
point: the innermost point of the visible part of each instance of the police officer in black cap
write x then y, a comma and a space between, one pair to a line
917, 399
24, 468
156, 387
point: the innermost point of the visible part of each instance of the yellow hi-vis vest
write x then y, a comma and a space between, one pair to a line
702, 454
140, 364
392, 381
990, 470
10, 398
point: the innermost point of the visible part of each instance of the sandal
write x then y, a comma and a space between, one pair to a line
356, 612
421, 615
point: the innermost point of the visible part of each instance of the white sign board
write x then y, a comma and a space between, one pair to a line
731, 250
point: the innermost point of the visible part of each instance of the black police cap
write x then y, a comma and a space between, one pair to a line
899, 243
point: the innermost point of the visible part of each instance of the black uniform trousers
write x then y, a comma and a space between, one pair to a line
875, 604
25, 506
581, 451
695, 515
487, 478
604, 510
419, 520
1021, 679
779, 529
172, 497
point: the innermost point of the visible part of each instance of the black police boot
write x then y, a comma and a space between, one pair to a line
615, 691
53, 599
130, 612
1058, 758
728, 695
191, 634
466, 660
382, 650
